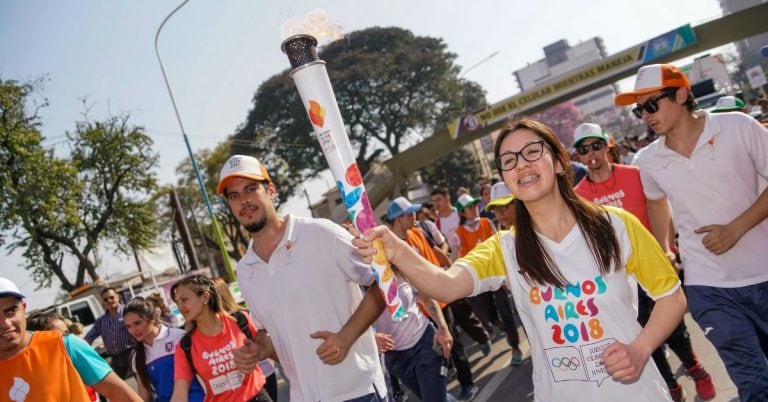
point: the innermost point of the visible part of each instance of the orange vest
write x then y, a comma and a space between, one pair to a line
418, 241
43, 372
471, 239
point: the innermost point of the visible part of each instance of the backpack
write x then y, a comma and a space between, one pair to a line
427, 234
186, 340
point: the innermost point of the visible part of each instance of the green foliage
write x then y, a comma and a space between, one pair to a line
393, 88
55, 208
454, 170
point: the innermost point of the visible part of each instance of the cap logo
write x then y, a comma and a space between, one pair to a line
234, 163
316, 113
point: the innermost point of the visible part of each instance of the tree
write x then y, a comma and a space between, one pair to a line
562, 119
452, 171
393, 89
69, 208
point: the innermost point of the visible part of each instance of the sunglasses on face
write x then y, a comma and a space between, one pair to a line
595, 146
651, 105
531, 153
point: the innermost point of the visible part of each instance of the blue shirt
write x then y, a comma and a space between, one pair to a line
111, 329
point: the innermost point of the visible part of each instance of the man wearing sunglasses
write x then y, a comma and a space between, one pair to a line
706, 166
620, 185
111, 328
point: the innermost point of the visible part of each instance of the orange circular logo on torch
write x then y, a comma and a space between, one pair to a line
316, 113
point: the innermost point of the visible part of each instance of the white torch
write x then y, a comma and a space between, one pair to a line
314, 87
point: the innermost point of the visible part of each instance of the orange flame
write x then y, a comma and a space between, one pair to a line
316, 113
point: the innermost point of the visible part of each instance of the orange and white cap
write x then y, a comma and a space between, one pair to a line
243, 166
652, 78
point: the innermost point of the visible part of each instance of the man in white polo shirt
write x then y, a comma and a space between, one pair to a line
706, 166
301, 278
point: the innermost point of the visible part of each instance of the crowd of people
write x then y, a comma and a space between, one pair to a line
598, 269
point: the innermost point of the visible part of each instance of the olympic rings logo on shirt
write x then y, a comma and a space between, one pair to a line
566, 363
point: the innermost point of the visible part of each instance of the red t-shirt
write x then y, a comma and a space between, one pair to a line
213, 357
622, 189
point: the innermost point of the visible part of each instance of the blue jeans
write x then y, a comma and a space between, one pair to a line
373, 397
419, 368
735, 320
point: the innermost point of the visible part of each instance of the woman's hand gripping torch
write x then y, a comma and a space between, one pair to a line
314, 87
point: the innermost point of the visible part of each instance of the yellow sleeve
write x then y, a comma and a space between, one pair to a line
647, 261
486, 264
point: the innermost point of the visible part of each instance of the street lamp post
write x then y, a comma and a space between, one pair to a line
490, 56
481, 167
216, 228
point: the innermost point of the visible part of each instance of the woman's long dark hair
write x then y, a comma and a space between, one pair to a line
146, 311
535, 263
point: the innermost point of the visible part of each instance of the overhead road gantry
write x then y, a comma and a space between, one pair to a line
729, 28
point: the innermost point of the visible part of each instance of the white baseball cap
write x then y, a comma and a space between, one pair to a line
588, 130
243, 166
8, 288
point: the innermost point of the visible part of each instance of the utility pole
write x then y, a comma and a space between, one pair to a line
211, 261
181, 223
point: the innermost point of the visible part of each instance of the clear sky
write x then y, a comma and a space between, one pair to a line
216, 54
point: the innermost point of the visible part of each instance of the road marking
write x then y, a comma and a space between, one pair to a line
492, 385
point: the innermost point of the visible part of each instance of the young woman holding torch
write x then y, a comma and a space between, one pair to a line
567, 263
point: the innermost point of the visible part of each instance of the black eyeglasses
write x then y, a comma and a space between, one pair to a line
595, 146
531, 153
651, 105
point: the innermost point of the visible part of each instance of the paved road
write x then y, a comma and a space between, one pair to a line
500, 382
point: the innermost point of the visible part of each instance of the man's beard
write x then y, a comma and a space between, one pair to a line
256, 226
